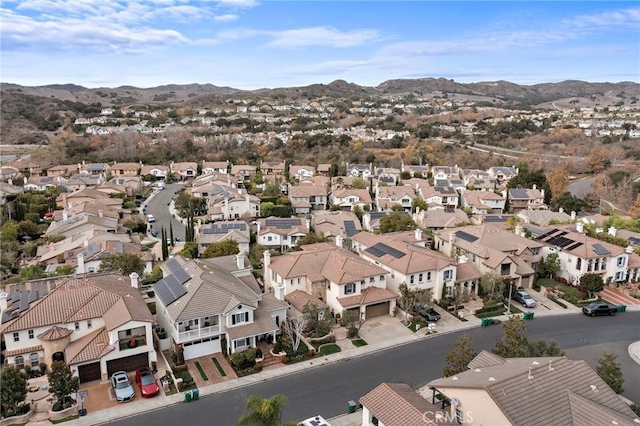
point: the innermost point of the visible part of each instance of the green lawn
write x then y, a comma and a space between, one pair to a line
201, 371
359, 342
568, 290
219, 367
66, 419
328, 349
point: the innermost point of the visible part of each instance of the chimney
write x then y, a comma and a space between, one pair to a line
529, 376
628, 250
561, 210
64, 200
86, 242
452, 238
613, 231
599, 230
573, 215
240, 260
100, 213
535, 186
10, 181
580, 227
80, 268
65, 215
519, 230
279, 291
134, 279
266, 258
463, 259
339, 240
3, 301
418, 234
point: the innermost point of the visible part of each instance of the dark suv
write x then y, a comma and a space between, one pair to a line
599, 308
426, 312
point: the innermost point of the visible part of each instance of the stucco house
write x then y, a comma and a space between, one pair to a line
301, 172
98, 324
502, 175
520, 199
210, 167
216, 232
281, 233
184, 170
307, 196
483, 202
388, 196
126, 169
159, 171
333, 224
201, 303
337, 276
348, 199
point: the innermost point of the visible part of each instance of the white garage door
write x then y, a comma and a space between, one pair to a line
200, 348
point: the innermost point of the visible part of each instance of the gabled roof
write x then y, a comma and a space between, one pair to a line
523, 388
90, 347
299, 299
368, 296
362, 194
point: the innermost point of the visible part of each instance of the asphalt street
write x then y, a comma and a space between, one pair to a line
327, 389
158, 206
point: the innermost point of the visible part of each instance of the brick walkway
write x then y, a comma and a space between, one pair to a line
210, 370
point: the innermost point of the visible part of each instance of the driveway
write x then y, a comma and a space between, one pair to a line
383, 328
158, 206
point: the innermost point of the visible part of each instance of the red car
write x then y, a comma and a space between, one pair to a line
147, 382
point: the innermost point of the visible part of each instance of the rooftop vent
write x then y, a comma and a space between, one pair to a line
477, 370
492, 379
594, 388
529, 376
550, 367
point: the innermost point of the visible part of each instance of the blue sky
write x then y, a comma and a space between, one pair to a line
250, 44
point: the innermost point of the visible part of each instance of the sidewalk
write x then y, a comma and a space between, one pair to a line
141, 406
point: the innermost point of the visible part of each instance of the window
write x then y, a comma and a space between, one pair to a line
350, 288
284, 238
429, 276
381, 277
89, 324
241, 342
535, 251
619, 276
420, 277
621, 261
240, 318
16, 336
372, 279
19, 360
505, 269
77, 326
458, 416
34, 360
590, 265
603, 265
30, 332
447, 275
374, 421
534, 266
411, 279
578, 264
269, 238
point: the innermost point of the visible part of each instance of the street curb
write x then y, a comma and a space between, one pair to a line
634, 351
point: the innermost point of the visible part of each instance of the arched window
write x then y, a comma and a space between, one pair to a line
34, 359
19, 361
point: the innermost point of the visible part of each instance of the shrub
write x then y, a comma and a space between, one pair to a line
561, 280
536, 286
244, 359
277, 348
258, 353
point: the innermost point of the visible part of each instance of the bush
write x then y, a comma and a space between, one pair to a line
244, 359
561, 280
490, 308
536, 286
258, 353
277, 348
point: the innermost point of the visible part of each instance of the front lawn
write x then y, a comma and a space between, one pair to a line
359, 342
570, 293
328, 349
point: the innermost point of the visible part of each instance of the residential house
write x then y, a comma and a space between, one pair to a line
416, 170
273, 168
232, 203
334, 224
82, 223
324, 169
200, 304
7, 189
389, 196
503, 175
445, 172
348, 199
371, 220
301, 172
495, 219
364, 171
132, 185
544, 217
94, 207
334, 275
243, 172
79, 181
398, 404
64, 170
66, 200
88, 258
440, 218
95, 169
216, 232
98, 324
218, 167
27, 168
7, 171
493, 249
580, 254
185, 170
439, 196
158, 171
483, 202
486, 394
418, 267
387, 176
41, 183
308, 195
520, 199
281, 233
126, 169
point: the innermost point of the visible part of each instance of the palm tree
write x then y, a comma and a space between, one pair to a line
263, 411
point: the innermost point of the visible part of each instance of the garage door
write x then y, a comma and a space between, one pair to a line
89, 372
201, 348
377, 310
130, 363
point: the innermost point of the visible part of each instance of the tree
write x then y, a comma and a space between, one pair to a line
27, 228
263, 411
552, 264
31, 272
591, 283
310, 238
190, 250
353, 321
406, 300
126, 263
221, 248
609, 370
165, 248
459, 356
513, 342
396, 222
9, 231
64, 270
541, 347
62, 383
14, 390
359, 183
568, 202
171, 233
293, 327
492, 285
317, 319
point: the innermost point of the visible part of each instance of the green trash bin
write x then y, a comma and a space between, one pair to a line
187, 396
195, 394
622, 308
351, 407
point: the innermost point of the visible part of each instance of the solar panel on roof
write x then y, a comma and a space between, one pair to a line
546, 234
375, 251
119, 248
385, 249
92, 249
600, 249
466, 237
181, 276
518, 193
173, 265
574, 246
350, 228
169, 289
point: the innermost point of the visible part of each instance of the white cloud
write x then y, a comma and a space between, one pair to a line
229, 17
322, 36
239, 3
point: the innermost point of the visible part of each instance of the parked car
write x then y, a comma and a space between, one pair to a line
525, 299
147, 382
599, 308
426, 312
122, 386
150, 218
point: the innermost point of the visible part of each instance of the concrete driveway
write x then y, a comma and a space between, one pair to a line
383, 328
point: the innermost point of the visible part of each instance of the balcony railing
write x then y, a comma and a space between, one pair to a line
197, 333
132, 342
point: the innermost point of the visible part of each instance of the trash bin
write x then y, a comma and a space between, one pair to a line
622, 308
486, 322
351, 407
195, 394
187, 396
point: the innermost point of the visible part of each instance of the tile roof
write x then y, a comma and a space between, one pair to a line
55, 333
397, 404
299, 299
27, 350
262, 324
79, 298
367, 296
90, 347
